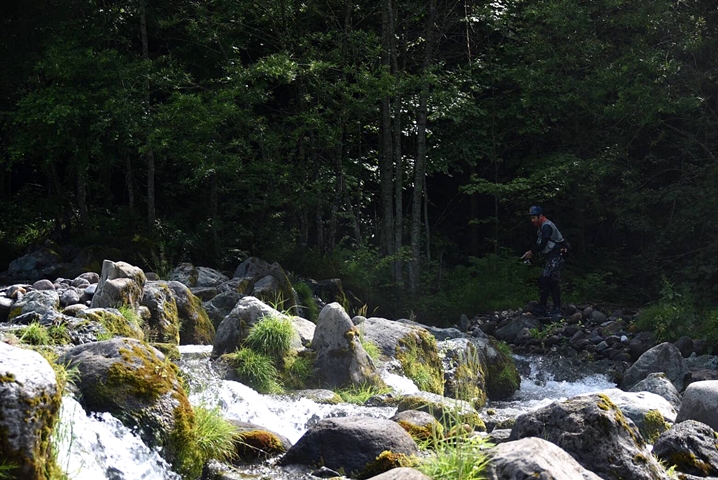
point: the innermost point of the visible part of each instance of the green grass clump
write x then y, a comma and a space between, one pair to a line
370, 347
257, 370
459, 454
297, 370
306, 299
215, 435
35, 334
359, 394
272, 336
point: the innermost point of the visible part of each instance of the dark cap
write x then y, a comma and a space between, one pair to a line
538, 211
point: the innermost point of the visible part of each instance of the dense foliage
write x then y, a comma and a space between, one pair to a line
396, 143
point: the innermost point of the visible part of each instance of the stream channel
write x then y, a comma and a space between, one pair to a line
99, 447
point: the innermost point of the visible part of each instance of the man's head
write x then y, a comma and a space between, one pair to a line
536, 215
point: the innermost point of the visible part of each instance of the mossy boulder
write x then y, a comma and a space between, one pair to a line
112, 321
502, 376
257, 443
464, 371
691, 446
651, 413
195, 326
135, 383
594, 431
29, 403
422, 426
163, 323
448, 411
120, 284
414, 347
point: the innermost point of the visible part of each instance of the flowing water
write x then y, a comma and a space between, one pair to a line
99, 447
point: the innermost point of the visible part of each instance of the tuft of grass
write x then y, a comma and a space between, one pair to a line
306, 299
6, 470
215, 435
132, 316
459, 454
35, 334
370, 347
257, 370
297, 370
359, 394
272, 336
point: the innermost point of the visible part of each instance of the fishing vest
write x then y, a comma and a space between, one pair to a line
554, 239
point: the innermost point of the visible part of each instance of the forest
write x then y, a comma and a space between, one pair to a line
395, 144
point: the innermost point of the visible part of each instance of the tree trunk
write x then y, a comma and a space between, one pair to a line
82, 194
398, 161
420, 165
386, 170
130, 183
338, 189
150, 155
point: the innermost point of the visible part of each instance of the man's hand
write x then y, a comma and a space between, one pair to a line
528, 255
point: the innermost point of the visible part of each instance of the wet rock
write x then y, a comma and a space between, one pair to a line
401, 473
258, 443
420, 425
685, 346
510, 329
350, 444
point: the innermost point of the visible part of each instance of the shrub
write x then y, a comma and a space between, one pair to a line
272, 336
257, 370
672, 317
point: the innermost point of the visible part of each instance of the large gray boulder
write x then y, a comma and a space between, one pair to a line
29, 402
510, 328
42, 302
341, 359
659, 384
235, 326
221, 305
594, 431
266, 282
135, 383
700, 402
534, 458
663, 358
412, 345
446, 410
691, 447
120, 284
349, 443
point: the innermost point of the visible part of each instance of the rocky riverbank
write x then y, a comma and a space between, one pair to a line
119, 329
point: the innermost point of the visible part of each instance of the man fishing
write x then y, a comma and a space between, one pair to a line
550, 244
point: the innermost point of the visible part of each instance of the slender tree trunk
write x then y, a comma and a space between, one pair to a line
398, 161
386, 170
420, 165
338, 189
427, 228
82, 194
151, 211
130, 184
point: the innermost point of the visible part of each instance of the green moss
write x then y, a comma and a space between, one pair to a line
606, 404
169, 350
116, 324
141, 375
183, 450
687, 462
445, 414
386, 461
258, 444
502, 377
653, 426
41, 410
420, 360
422, 433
